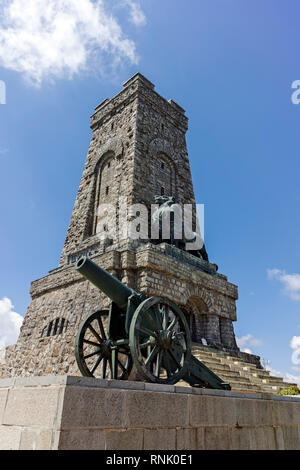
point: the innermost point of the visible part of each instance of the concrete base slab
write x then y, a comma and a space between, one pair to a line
67, 412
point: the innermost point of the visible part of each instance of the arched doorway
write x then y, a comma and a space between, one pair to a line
196, 312
204, 324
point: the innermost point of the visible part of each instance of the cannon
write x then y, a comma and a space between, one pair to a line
149, 333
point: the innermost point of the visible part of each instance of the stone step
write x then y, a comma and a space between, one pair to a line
246, 373
233, 367
225, 372
215, 365
234, 376
220, 357
245, 368
203, 353
287, 384
209, 360
244, 386
234, 380
241, 375
270, 379
260, 376
218, 366
265, 382
259, 373
239, 363
271, 389
229, 373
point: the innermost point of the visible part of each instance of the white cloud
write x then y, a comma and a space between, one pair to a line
52, 39
247, 350
247, 341
287, 377
10, 323
273, 273
137, 16
295, 345
291, 282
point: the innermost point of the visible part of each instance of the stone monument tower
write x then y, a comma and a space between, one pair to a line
137, 152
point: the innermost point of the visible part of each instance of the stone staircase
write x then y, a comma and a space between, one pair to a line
241, 375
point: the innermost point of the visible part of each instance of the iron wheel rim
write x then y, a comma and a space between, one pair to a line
103, 353
168, 343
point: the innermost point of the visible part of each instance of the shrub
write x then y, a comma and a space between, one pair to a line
292, 390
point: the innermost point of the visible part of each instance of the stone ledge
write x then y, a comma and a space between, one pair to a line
70, 412
78, 381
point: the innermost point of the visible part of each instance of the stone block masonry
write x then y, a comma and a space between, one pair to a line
137, 151
65, 413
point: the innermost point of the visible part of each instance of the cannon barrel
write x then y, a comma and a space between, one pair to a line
108, 284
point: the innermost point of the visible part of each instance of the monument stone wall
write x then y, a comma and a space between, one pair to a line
137, 151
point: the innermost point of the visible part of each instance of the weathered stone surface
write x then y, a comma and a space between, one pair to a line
125, 439
3, 399
106, 408
82, 439
159, 439
186, 439
263, 438
32, 406
216, 438
145, 409
240, 438
291, 437
9, 438
71, 415
36, 439
159, 387
207, 409
6, 383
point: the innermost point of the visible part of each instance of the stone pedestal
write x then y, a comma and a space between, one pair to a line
66, 412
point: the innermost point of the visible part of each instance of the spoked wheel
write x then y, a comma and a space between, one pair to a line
160, 342
96, 354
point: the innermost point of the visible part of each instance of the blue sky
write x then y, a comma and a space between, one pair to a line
231, 66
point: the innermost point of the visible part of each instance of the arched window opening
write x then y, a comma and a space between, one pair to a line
49, 329
105, 173
164, 176
61, 328
198, 320
55, 327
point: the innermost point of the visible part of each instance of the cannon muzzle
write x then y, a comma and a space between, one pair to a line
108, 284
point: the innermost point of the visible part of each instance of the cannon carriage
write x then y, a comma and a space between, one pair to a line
150, 334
